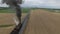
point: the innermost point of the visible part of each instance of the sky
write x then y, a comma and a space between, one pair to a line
38, 3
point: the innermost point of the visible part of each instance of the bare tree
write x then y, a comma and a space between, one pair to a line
14, 3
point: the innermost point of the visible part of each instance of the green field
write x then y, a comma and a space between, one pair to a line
25, 10
49, 9
8, 10
52, 10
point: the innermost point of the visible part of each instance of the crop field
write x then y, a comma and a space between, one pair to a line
53, 10
9, 10
49, 9
7, 19
43, 22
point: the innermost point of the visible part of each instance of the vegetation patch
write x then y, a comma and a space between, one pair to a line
6, 25
9, 10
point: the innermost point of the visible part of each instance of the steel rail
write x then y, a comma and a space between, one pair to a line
21, 27
24, 23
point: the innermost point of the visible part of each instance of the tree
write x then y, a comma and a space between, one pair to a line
14, 4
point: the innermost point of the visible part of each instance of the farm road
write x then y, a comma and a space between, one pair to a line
43, 22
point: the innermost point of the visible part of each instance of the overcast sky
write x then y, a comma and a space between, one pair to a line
40, 3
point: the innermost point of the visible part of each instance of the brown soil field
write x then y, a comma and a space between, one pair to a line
43, 22
7, 19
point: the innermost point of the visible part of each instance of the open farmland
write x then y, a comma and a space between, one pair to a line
40, 22
7, 20
43, 22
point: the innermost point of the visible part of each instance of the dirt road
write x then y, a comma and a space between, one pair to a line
43, 22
